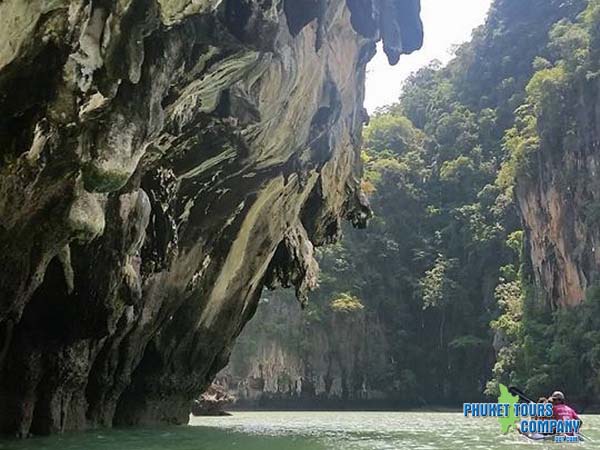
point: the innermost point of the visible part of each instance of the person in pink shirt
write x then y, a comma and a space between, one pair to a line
560, 410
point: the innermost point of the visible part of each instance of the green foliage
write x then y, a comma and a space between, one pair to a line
458, 169
540, 63
554, 350
520, 143
546, 114
346, 303
436, 285
392, 133
546, 93
569, 42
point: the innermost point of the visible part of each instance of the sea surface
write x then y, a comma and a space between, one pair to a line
310, 431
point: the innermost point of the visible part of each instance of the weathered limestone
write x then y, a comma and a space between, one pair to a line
559, 203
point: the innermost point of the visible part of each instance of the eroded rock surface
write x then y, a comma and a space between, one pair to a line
559, 201
213, 402
161, 161
337, 361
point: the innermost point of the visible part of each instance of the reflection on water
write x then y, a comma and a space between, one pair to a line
308, 431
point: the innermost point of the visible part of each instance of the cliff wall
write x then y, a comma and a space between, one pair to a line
317, 360
557, 189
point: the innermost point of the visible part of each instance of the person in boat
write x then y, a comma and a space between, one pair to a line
535, 436
562, 411
543, 400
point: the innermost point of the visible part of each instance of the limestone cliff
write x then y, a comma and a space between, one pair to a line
328, 359
162, 161
558, 192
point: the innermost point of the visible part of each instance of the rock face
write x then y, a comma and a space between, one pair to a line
162, 161
213, 402
334, 362
560, 200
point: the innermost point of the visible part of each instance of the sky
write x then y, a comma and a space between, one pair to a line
447, 23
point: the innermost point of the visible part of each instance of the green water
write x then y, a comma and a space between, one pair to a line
309, 431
